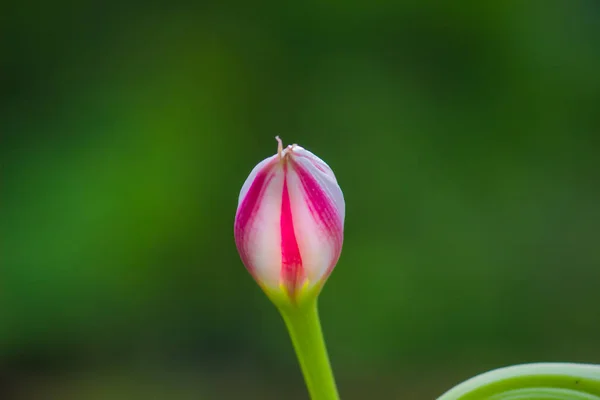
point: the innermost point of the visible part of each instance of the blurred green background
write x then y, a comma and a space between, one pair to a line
465, 138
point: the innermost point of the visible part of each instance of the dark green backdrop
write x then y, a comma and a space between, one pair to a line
465, 138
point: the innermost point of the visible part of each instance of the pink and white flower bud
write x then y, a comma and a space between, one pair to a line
289, 224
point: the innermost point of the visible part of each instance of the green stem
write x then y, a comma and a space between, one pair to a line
304, 327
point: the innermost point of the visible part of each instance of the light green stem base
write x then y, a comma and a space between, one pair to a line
539, 381
304, 327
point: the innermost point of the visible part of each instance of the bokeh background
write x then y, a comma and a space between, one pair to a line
464, 135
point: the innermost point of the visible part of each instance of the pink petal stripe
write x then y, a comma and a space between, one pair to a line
292, 272
323, 210
247, 212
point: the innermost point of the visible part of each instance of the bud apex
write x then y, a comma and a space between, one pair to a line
289, 224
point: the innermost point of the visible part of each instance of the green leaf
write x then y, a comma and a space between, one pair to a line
538, 381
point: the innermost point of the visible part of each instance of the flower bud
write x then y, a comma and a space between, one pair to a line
289, 224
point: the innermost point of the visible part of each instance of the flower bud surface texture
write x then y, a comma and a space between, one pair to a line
289, 225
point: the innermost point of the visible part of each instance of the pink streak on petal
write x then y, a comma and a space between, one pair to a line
254, 188
261, 166
321, 205
324, 176
321, 229
292, 272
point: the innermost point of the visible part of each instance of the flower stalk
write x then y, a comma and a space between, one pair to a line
304, 327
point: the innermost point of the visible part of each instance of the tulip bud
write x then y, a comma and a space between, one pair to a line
289, 224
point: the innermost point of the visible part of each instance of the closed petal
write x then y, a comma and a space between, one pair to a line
317, 205
324, 176
252, 177
257, 225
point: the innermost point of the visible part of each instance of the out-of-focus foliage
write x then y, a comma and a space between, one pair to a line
465, 138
